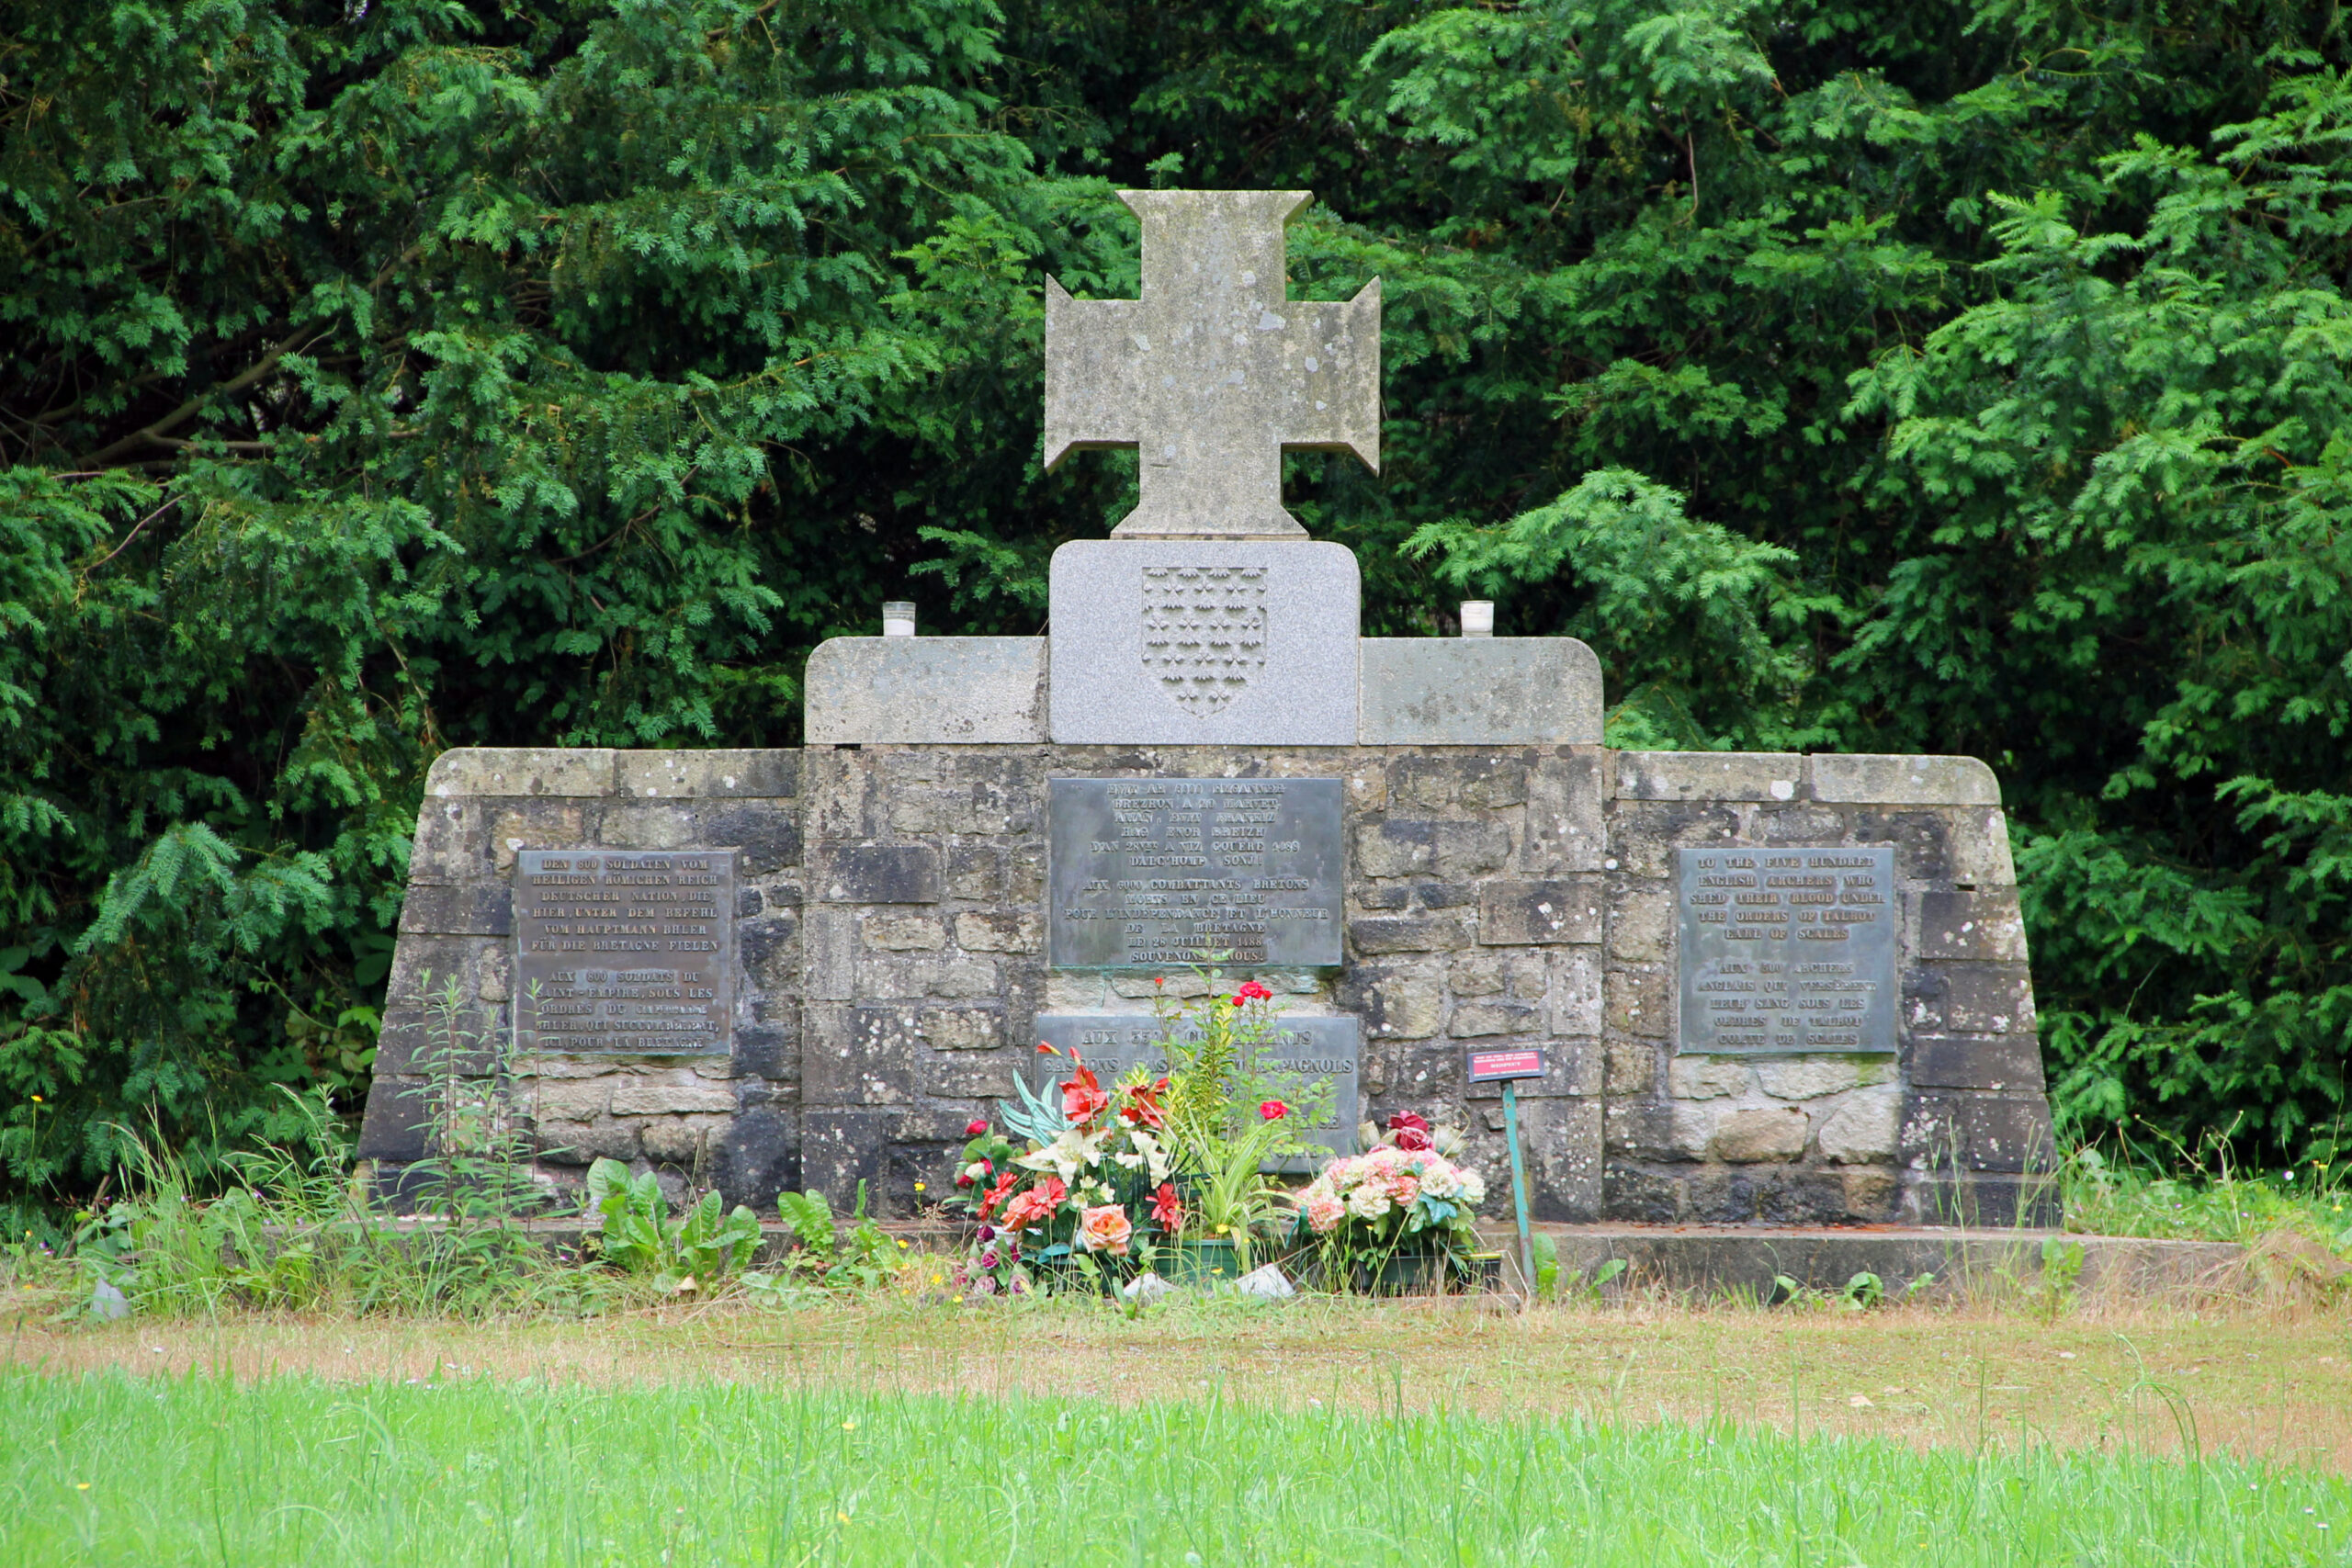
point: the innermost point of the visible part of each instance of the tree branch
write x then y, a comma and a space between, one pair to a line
154, 433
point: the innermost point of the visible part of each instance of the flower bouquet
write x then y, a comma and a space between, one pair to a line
1085, 1189
1098, 1184
1401, 1212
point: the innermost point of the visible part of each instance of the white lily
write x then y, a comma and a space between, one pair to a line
1156, 1156
1066, 1156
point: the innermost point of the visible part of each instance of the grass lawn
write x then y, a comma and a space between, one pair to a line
113, 1468
1215, 1432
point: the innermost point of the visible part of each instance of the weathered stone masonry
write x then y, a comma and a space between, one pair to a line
890, 947
1954, 1128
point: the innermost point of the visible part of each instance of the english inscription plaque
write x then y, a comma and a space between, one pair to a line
624, 952
1158, 874
1318, 1050
1784, 951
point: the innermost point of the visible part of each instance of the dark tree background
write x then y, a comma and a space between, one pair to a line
387, 375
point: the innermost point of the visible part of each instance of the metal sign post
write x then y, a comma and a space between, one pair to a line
1507, 1067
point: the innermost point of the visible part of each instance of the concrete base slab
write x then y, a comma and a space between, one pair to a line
1738, 1257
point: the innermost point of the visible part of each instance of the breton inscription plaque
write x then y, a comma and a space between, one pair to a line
1319, 1050
624, 952
1785, 951
1155, 873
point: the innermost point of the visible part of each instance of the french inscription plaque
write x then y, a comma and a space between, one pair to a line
624, 952
1155, 873
1785, 951
1318, 1050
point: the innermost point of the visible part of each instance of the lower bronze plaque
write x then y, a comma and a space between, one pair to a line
1158, 874
1785, 951
1317, 1050
624, 952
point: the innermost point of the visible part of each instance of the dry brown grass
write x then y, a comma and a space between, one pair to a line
2272, 1379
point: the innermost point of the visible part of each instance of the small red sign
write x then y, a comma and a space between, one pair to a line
1488, 1067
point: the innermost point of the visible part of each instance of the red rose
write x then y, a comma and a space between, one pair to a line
1404, 1119
977, 1125
1413, 1141
1253, 992
1272, 1109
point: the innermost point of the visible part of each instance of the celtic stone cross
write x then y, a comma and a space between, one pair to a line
1214, 372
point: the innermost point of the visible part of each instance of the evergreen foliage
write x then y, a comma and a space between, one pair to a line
379, 375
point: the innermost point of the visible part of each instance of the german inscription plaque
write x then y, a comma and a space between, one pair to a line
1783, 951
624, 952
1318, 1050
1154, 874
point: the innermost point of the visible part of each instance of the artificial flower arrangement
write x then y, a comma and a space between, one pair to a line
1098, 1182
1086, 1186
1402, 1208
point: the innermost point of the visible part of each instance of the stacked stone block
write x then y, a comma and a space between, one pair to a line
1954, 1129
891, 939
730, 1121
926, 962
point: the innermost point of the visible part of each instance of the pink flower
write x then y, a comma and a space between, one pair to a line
1324, 1212
1412, 1140
1106, 1229
1271, 1110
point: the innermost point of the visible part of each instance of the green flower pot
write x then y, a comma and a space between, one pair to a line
1407, 1274
1202, 1262
1486, 1271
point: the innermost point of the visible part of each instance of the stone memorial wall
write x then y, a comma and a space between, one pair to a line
891, 972
1765, 988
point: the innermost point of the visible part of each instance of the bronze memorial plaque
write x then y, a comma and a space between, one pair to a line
1785, 951
1160, 873
624, 952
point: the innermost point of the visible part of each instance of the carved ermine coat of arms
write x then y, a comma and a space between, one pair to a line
1203, 632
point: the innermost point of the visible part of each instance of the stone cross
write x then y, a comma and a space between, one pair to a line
1214, 372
